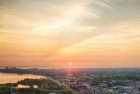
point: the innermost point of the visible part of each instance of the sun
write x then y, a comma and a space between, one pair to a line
69, 64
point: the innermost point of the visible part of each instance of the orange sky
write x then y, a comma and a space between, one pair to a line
87, 33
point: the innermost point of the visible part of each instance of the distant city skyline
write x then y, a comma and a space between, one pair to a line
70, 33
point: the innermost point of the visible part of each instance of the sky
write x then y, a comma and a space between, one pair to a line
57, 33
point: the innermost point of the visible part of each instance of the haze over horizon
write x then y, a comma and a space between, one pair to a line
53, 33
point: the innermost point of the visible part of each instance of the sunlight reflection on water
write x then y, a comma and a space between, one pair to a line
13, 78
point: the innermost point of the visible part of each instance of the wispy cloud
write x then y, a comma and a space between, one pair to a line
53, 29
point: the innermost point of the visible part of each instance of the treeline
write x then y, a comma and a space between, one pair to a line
45, 86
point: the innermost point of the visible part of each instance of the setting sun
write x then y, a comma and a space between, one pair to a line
76, 46
53, 33
69, 64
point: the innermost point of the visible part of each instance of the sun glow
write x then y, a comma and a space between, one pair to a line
70, 33
69, 64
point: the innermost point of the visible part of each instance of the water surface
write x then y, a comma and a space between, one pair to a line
12, 78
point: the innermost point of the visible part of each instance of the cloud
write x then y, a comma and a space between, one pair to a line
53, 29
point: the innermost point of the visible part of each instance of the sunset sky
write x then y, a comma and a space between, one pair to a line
83, 33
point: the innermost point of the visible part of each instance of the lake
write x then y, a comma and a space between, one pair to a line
12, 78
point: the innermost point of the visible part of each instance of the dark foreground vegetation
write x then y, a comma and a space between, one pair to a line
44, 86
